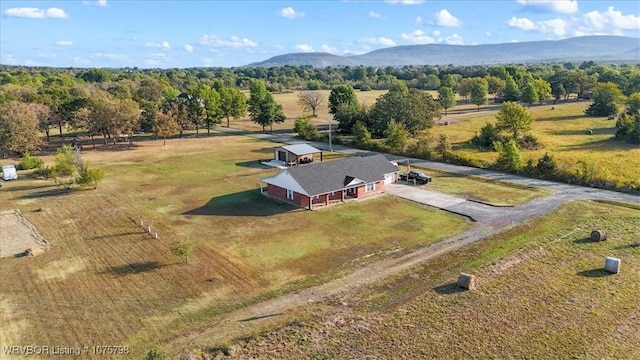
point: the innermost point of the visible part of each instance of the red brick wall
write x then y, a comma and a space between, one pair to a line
362, 190
281, 194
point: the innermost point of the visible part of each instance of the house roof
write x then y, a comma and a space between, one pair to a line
335, 175
301, 149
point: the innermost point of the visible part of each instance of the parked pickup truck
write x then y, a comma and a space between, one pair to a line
417, 176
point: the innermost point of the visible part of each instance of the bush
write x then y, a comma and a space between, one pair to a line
489, 134
45, 172
156, 353
29, 162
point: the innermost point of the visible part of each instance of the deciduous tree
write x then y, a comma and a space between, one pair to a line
514, 118
311, 100
605, 100
479, 90
263, 109
19, 130
233, 103
446, 98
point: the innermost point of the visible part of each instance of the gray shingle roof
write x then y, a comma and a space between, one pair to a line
301, 149
331, 176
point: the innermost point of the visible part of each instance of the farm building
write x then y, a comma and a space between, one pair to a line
296, 154
331, 182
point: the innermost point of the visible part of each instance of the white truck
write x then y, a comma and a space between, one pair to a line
9, 173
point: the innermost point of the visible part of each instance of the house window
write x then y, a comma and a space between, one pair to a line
316, 197
370, 187
333, 193
289, 194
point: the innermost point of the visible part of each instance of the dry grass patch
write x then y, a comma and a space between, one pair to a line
543, 293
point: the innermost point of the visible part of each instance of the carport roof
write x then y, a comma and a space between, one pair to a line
301, 149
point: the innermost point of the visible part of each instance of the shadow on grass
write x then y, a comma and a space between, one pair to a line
135, 268
259, 317
448, 289
47, 193
601, 145
9, 186
254, 164
562, 118
594, 273
585, 240
245, 203
586, 132
101, 237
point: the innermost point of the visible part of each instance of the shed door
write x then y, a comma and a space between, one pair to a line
388, 178
282, 156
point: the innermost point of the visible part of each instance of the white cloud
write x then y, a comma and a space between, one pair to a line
404, 2
290, 13
436, 33
47, 56
36, 13
454, 39
521, 23
305, 47
64, 43
487, 34
329, 49
188, 48
110, 56
162, 45
376, 15
418, 37
561, 6
233, 42
101, 3
611, 21
444, 18
378, 41
557, 27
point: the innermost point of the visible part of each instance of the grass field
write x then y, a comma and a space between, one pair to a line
105, 281
543, 294
481, 189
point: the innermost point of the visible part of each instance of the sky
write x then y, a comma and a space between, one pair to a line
208, 33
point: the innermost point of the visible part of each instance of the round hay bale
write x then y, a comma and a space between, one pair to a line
446, 122
612, 265
467, 281
33, 252
589, 132
598, 235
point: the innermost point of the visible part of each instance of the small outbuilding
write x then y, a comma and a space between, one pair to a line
296, 154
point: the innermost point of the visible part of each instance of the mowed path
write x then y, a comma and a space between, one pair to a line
489, 220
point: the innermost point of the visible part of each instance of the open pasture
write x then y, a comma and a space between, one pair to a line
543, 293
106, 281
564, 133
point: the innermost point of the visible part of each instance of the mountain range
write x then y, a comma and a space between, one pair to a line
577, 49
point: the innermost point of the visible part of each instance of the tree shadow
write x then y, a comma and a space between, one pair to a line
594, 273
101, 237
562, 118
46, 193
245, 203
28, 187
254, 164
135, 268
600, 145
448, 289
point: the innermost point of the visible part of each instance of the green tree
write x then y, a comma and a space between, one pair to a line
628, 128
446, 98
66, 162
183, 249
211, 103
263, 109
543, 89
305, 128
396, 136
450, 81
415, 109
514, 118
165, 125
193, 107
19, 130
88, 177
444, 146
546, 166
496, 85
361, 136
605, 100
489, 134
511, 90
156, 353
422, 147
341, 95
633, 103
479, 90
529, 94
233, 103
509, 158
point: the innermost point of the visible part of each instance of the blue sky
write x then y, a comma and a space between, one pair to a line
164, 34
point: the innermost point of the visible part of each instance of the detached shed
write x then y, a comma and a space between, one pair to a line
296, 154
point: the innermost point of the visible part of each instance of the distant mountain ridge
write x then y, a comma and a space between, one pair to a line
586, 48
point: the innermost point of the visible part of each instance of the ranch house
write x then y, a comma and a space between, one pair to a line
331, 182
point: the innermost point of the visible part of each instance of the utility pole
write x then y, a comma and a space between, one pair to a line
330, 145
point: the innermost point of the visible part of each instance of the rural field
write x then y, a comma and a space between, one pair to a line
562, 131
104, 280
542, 294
